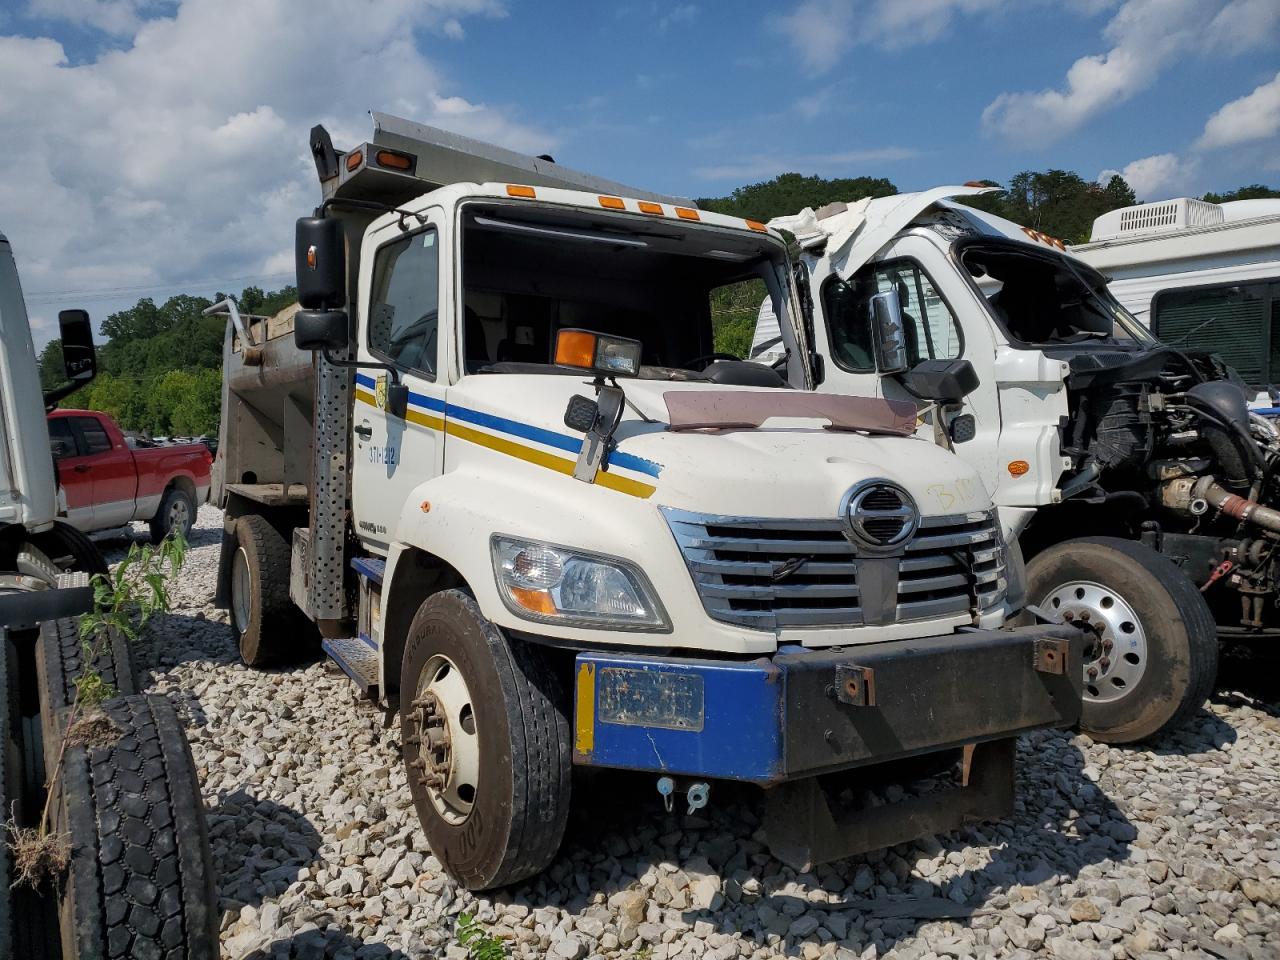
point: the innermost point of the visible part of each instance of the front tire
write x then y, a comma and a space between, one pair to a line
486, 744
1153, 651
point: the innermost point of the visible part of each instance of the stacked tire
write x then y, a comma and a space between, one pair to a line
139, 878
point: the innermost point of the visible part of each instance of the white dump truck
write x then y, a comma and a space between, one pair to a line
1141, 490
121, 807
511, 488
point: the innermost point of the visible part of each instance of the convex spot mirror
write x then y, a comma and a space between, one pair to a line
79, 358
888, 335
942, 381
320, 261
320, 329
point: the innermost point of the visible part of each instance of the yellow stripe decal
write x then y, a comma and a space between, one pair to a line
584, 740
510, 448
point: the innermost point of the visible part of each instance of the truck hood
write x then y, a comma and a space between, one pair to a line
786, 468
857, 231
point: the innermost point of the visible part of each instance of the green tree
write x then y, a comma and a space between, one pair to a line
52, 372
1057, 202
197, 412
1255, 191
791, 192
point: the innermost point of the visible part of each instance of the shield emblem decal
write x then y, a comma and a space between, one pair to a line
380, 392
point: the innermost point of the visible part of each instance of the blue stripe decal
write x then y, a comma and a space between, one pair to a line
523, 430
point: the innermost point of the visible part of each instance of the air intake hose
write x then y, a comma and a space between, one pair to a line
1247, 511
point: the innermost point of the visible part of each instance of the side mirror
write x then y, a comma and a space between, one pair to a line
320, 329
943, 381
320, 261
888, 334
79, 358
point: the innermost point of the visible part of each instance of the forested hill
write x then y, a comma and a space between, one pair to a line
161, 364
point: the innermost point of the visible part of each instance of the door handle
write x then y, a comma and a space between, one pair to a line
81, 468
364, 431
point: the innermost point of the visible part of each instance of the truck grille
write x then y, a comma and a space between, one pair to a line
771, 574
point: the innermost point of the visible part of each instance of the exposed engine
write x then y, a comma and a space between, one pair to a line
1169, 437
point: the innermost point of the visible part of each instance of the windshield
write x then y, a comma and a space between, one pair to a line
1045, 299
689, 294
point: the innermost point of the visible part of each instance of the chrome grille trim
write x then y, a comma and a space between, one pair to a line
953, 565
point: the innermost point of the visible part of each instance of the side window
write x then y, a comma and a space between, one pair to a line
405, 302
62, 442
932, 333
94, 436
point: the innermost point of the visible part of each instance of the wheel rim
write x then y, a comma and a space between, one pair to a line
241, 590
448, 762
1115, 657
179, 515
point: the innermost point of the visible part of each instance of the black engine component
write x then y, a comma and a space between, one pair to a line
1224, 420
1122, 436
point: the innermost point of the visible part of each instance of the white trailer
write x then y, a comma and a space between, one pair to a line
1200, 275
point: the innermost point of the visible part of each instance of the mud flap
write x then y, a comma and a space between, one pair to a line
805, 827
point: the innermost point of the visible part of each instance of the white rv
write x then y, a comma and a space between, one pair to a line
1202, 275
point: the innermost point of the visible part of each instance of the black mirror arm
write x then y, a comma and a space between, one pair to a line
365, 364
51, 397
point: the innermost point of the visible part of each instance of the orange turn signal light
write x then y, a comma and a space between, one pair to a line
1018, 467
397, 161
613, 203
354, 159
576, 348
520, 190
538, 601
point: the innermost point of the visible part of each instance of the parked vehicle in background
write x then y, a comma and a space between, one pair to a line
123, 809
1141, 490
1203, 276
524, 500
105, 482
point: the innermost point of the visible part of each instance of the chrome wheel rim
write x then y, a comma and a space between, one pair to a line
1115, 656
179, 516
241, 590
447, 765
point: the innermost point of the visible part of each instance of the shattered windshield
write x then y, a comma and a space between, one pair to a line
1046, 299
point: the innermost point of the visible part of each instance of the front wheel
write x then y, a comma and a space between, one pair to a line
1152, 651
486, 744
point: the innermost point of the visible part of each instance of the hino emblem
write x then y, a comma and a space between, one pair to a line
879, 516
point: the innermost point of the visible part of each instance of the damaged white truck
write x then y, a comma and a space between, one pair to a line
1139, 487
511, 484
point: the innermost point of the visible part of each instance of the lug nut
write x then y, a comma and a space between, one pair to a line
1107, 644
1105, 662
1085, 616
1093, 673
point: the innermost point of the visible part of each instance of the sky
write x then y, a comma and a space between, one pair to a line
160, 146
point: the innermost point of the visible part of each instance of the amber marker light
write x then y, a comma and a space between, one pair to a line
396, 161
576, 348
520, 190
647, 207
612, 203
1018, 467
354, 159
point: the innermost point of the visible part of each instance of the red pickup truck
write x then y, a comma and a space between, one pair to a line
104, 483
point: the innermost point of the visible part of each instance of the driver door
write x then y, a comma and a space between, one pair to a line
402, 279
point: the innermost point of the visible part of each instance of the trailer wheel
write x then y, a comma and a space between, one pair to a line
140, 880
65, 544
1153, 651
61, 661
269, 627
486, 744
177, 514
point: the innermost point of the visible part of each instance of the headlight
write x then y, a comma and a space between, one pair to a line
544, 582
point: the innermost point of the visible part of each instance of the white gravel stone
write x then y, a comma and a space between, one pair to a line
1164, 849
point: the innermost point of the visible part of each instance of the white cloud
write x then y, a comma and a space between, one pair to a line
765, 166
681, 13
1146, 37
1156, 177
821, 31
1250, 118
184, 155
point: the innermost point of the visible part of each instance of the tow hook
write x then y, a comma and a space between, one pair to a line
697, 795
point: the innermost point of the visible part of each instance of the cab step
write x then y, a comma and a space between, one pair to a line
358, 660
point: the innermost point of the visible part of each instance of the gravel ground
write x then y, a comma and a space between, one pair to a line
1168, 850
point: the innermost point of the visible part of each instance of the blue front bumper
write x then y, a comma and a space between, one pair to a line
803, 712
